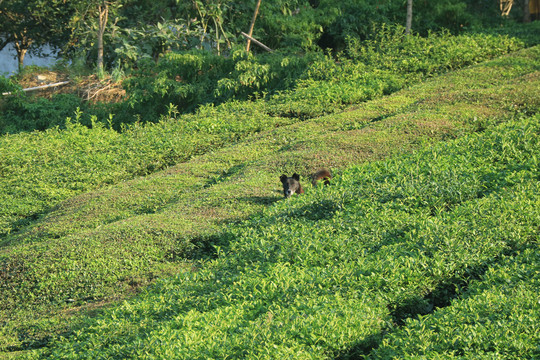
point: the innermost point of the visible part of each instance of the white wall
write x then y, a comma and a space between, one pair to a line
9, 64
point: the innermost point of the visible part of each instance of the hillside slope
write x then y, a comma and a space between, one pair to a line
428, 254
104, 244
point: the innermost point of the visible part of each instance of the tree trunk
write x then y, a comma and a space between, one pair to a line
250, 33
526, 11
408, 24
217, 37
103, 16
22, 44
21, 53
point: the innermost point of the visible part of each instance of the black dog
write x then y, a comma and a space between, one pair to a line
291, 185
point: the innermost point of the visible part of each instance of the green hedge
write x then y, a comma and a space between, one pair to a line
329, 273
41, 169
279, 84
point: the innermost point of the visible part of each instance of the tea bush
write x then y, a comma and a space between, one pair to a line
390, 49
279, 84
390, 240
496, 317
324, 86
327, 274
380, 66
42, 168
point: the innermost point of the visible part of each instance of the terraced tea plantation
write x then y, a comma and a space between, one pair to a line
449, 232
172, 240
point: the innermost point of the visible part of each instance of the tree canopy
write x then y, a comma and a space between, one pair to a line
135, 29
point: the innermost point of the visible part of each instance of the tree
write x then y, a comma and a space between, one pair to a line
90, 23
526, 11
408, 23
28, 24
250, 33
213, 11
506, 6
103, 10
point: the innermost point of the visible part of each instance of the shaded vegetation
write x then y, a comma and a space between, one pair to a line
61, 258
315, 286
280, 84
154, 227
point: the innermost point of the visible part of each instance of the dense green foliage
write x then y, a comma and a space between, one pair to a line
6, 85
496, 317
23, 114
107, 242
137, 30
412, 256
41, 169
302, 86
107, 157
325, 274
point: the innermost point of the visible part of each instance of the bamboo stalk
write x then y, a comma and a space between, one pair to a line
256, 42
252, 25
40, 87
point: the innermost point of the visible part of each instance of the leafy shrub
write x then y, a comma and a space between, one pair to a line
303, 86
527, 33
390, 49
21, 113
443, 14
292, 24
6, 85
279, 84
151, 41
184, 80
326, 274
189, 80
497, 317
357, 19
354, 19
381, 65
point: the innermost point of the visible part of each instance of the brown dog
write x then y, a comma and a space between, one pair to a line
322, 174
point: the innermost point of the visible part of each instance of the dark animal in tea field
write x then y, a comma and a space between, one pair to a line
291, 185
